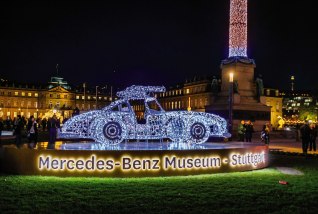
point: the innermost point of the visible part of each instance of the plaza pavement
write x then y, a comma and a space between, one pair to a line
280, 142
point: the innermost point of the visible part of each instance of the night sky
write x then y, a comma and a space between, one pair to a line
153, 42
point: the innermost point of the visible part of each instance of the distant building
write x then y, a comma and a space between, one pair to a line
273, 98
195, 94
300, 105
43, 100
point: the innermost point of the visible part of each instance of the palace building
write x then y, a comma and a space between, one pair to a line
56, 97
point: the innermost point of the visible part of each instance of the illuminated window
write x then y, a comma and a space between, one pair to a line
89, 97
83, 97
187, 91
268, 92
22, 103
99, 98
179, 104
77, 97
35, 104
277, 93
16, 93
105, 98
29, 94
36, 94
23, 93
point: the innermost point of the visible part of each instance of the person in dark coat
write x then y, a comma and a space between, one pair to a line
1, 128
248, 131
32, 129
18, 126
52, 126
44, 123
305, 136
313, 136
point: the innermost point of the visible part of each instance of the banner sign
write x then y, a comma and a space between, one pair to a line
131, 163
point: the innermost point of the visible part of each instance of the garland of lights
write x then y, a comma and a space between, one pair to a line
117, 122
238, 28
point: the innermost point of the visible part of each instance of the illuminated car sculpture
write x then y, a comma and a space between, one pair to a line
118, 121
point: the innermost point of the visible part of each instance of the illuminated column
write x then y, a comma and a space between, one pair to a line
238, 28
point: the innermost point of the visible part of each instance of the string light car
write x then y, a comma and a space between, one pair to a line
118, 121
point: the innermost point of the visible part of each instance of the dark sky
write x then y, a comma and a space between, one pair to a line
153, 42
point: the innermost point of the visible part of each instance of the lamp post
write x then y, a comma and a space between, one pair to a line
96, 97
230, 125
84, 86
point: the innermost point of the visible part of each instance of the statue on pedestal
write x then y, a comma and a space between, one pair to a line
259, 86
215, 85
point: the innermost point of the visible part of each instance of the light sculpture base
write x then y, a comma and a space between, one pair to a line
133, 159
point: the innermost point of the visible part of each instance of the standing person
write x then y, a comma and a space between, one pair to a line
1, 128
18, 126
32, 132
8, 123
265, 134
305, 136
248, 131
313, 136
52, 125
241, 131
44, 123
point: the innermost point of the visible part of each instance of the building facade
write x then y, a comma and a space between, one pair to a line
273, 98
44, 100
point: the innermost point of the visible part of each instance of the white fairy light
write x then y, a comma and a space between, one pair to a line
238, 28
117, 122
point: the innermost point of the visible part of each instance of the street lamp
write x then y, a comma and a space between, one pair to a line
230, 125
84, 86
96, 97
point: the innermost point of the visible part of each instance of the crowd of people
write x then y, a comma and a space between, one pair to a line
246, 129
30, 128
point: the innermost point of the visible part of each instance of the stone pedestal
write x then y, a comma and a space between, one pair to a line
246, 106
